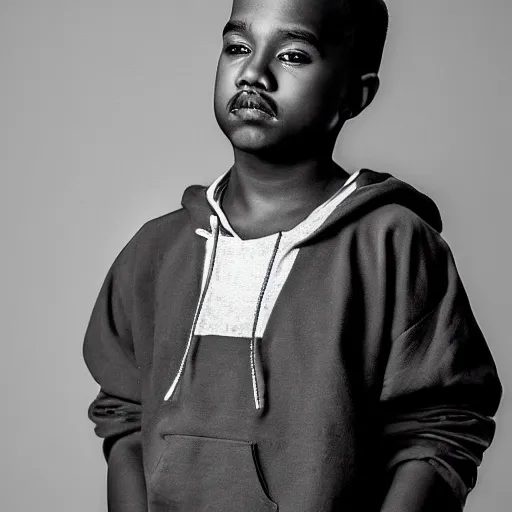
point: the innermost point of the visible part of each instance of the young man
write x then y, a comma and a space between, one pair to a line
293, 338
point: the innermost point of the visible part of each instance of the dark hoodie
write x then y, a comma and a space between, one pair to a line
359, 355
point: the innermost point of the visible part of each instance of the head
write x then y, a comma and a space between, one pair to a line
292, 72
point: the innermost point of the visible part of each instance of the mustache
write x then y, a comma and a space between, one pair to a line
253, 99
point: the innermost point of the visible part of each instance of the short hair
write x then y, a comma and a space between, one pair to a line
369, 21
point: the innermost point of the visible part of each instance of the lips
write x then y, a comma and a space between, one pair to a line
252, 100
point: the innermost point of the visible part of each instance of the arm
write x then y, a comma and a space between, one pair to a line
116, 411
126, 487
417, 487
440, 386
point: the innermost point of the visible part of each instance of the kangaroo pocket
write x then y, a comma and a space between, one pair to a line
199, 474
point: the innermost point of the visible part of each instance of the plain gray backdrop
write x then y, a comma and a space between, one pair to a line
106, 116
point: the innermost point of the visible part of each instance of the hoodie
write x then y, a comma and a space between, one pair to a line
291, 372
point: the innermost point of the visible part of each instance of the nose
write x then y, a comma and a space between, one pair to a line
255, 72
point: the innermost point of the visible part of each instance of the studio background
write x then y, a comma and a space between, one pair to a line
106, 117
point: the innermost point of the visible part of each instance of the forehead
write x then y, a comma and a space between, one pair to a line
324, 17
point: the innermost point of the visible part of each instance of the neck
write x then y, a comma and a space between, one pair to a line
258, 183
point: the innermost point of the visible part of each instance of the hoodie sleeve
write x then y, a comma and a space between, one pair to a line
109, 354
440, 387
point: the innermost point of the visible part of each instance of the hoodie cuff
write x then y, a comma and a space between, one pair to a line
443, 469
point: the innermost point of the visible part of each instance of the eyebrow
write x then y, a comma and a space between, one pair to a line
294, 33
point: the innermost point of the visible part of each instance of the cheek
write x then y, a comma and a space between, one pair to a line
224, 90
228, 68
224, 84
309, 98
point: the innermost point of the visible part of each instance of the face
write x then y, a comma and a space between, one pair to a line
282, 74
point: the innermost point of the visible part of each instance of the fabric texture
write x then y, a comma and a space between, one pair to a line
355, 354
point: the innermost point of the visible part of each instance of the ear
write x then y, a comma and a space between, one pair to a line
367, 88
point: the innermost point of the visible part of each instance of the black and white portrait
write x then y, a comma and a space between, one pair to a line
256, 255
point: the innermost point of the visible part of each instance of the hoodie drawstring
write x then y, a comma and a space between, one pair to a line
258, 381
215, 229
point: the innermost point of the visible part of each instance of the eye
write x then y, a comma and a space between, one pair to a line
295, 57
236, 49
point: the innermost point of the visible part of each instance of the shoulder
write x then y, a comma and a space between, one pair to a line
151, 240
398, 224
395, 238
394, 216
162, 229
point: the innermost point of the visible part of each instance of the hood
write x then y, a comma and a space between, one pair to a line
365, 191
374, 189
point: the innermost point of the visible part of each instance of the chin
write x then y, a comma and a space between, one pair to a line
264, 140
249, 140
245, 137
